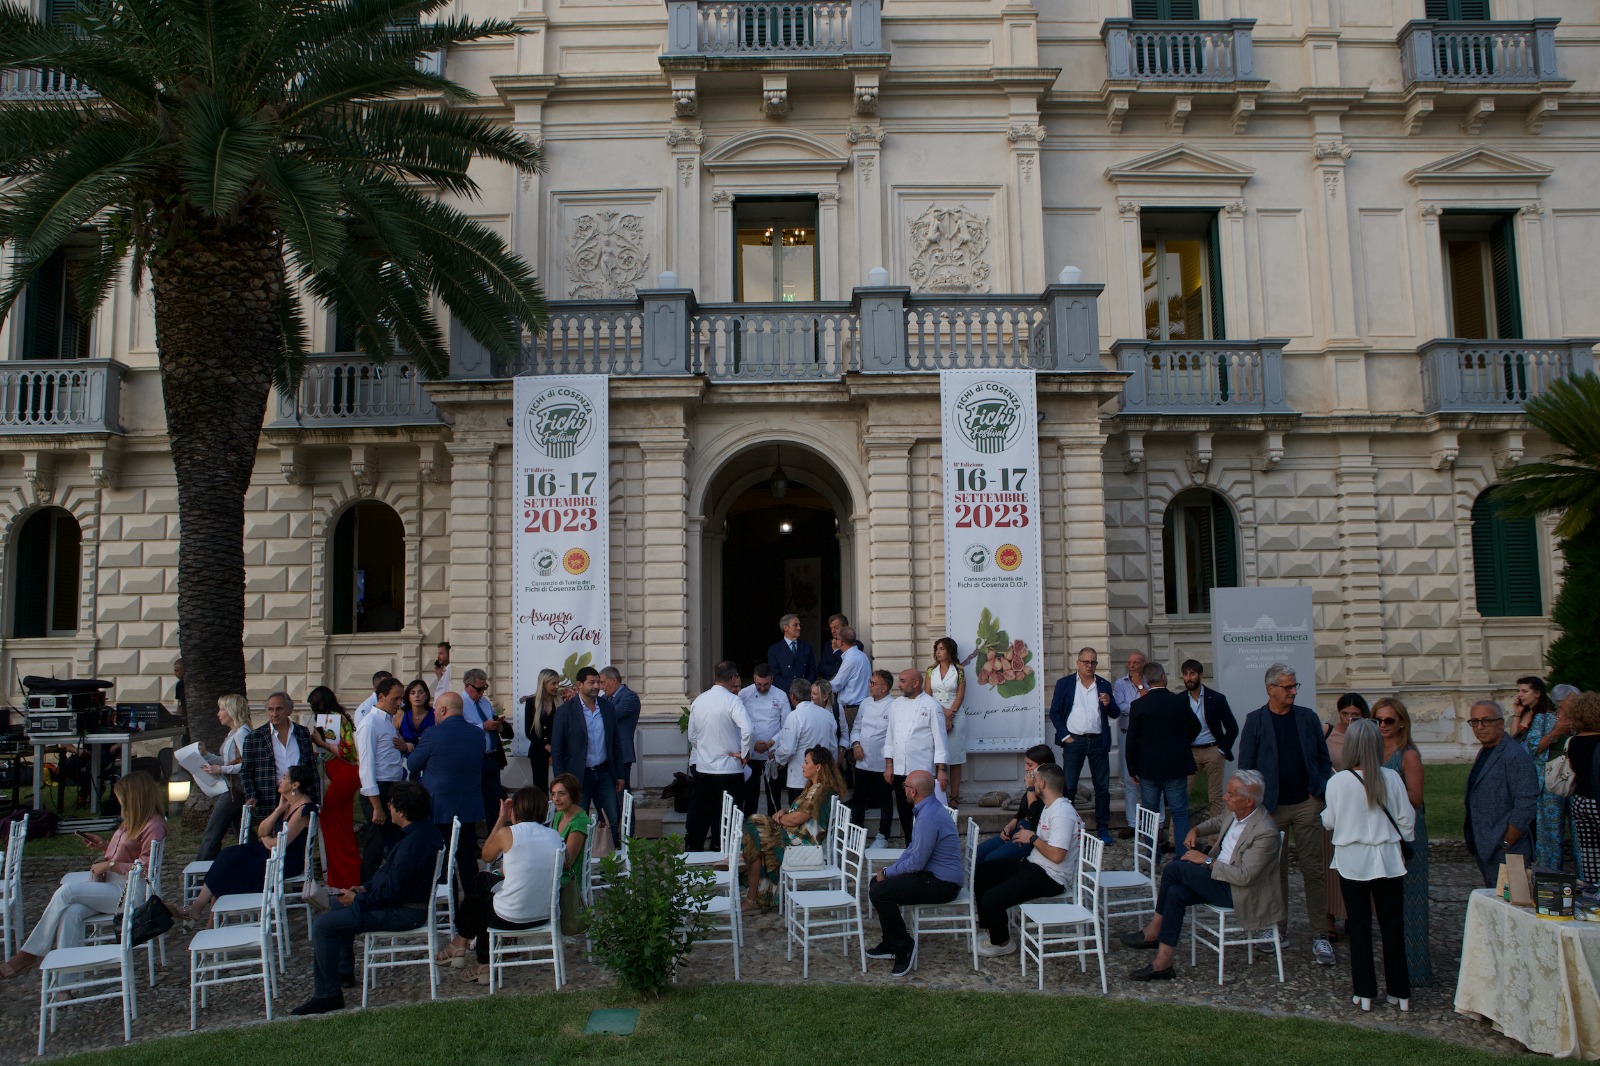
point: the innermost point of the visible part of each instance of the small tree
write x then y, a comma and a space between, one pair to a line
645, 922
1577, 612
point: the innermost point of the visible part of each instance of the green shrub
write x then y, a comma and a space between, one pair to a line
643, 924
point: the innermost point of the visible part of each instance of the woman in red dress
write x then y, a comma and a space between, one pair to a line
338, 799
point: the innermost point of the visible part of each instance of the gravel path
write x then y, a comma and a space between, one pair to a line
1310, 991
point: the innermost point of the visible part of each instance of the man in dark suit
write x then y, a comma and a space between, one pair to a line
1283, 741
585, 744
269, 752
1213, 747
1161, 731
449, 758
626, 703
791, 657
1502, 794
1081, 713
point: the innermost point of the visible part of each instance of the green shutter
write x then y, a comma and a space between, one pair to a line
42, 335
31, 573
344, 573
1148, 10
1219, 330
1505, 562
55, 11
1226, 540
1169, 559
68, 557
1503, 268
1458, 10
1167, 10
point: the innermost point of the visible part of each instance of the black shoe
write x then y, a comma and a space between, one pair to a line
881, 951
319, 1006
1137, 940
348, 980
902, 963
1150, 973
1125, 833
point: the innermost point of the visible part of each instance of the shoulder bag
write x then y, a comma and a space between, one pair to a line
1406, 850
1559, 778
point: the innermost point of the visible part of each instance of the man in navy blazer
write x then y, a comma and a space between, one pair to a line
585, 744
1160, 739
791, 657
626, 703
449, 757
1502, 794
1082, 723
1283, 742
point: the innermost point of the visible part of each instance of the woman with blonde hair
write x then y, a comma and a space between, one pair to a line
1400, 755
233, 711
539, 711
99, 891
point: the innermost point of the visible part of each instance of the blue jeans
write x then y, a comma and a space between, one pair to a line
996, 850
1175, 791
1094, 748
600, 789
333, 935
1183, 885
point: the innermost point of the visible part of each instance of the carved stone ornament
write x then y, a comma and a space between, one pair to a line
947, 250
679, 135
606, 257
1427, 211
857, 134
1332, 149
1533, 209
1025, 132
866, 164
866, 99
828, 196
722, 196
684, 102
1330, 182
775, 101
1127, 208
685, 171
1234, 208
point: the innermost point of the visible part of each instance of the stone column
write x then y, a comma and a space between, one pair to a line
1132, 281
1235, 290
683, 253
828, 243
472, 501
1537, 296
1083, 543
1437, 323
889, 547
1359, 564
722, 234
664, 593
1025, 138
867, 157
1330, 156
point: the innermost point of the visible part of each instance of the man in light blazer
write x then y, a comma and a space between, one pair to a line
1240, 871
449, 758
791, 657
625, 702
585, 744
1502, 794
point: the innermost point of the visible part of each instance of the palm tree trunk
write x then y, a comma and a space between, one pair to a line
216, 304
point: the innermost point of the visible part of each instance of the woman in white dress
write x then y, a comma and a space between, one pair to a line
947, 683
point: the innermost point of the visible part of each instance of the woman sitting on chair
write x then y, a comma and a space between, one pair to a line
572, 825
805, 822
519, 896
99, 891
244, 868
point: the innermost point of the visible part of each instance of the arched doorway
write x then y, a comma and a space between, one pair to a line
778, 542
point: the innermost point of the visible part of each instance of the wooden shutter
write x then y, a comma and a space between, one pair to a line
1219, 330
1169, 559
1147, 9
1503, 274
42, 336
31, 573
1226, 540
1458, 10
55, 11
67, 559
1167, 10
1505, 562
344, 573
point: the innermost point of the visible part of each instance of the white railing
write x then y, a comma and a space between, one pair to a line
42, 85
733, 28
1137, 50
774, 342
351, 390
587, 338
60, 395
1496, 375
1479, 53
1201, 377
975, 333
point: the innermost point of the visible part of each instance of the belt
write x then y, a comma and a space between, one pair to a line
1072, 734
1201, 747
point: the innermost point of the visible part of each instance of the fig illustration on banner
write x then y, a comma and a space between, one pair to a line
1005, 661
575, 662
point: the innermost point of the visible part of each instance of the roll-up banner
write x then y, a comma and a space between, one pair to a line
561, 506
994, 595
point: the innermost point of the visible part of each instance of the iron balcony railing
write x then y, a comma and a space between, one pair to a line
1485, 376
1202, 377
60, 396
1479, 53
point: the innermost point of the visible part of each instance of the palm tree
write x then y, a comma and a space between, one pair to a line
239, 153
1568, 483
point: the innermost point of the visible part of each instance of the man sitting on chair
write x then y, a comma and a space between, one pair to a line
398, 897
929, 872
1240, 872
1045, 870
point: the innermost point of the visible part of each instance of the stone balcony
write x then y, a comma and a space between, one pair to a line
1202, 377
767, 29
1496, 376
1173, 63
42, 85
60, 396
349, 391
1478, 54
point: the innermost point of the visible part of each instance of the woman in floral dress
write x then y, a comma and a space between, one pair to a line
805, 822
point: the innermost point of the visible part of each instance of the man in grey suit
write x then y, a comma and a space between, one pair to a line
625, 702
1502, 794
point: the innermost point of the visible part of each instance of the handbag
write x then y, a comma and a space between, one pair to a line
150, 920
802, 857
1406, 850
600, 842
1559, 778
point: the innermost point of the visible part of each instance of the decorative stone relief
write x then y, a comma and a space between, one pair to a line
1427, 211
866, 99
685, 171
827, 196
775, 101
1332, 149
1128, 207
1234, 208
857, 134
1330, 182
680, 135
1027, 131
685, 102
947, 250
1027, 167
866, 163
1534, 209
606, 256
722, 196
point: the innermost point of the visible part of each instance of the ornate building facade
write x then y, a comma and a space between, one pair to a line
1287, 272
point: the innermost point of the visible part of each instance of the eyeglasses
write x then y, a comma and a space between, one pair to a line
1287, 688
1477, 722
1088, 662
1387, 721
478, 688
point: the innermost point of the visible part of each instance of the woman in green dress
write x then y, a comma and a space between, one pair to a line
805, 822
571, 824
1400, 755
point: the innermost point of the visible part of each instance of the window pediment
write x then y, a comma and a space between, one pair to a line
775, 150
1177, 168
1480, 166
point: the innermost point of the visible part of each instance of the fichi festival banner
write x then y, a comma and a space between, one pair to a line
994, 597
561, 506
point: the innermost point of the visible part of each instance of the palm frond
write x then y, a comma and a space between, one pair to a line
308, 211
225, 149
1568, 480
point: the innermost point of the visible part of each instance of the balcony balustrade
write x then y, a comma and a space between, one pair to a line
42, 85
1489, 376
768, 28
60, 396
1141, 51
1479, 53
1203, 377
348, 391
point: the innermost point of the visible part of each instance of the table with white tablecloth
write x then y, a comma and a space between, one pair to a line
1534, 978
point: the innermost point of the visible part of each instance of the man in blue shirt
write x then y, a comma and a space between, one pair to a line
584, 743
398, 897
929, 871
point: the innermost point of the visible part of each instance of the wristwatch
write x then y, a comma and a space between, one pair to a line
1505, 845
1208, 860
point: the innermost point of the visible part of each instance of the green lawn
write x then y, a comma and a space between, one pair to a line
804, 1026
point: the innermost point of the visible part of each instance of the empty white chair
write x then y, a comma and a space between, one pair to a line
959, 917
1209, 925
233, 953
1135, 889
538, 945
719, 918
1068, 930
194, 874
250, 908
444, 893
73, 977
294, 887
11, 889
830, 913
389, 950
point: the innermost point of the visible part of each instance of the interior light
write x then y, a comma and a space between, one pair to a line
785, 526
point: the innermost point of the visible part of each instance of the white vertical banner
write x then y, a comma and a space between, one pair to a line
561, 489
994, 594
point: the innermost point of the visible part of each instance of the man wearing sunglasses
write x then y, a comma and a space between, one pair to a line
1282, 741
1502, 794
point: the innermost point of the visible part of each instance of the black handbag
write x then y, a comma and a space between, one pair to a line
151, 920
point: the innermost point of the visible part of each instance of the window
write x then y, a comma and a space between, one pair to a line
1182, 276
1166, 10
1200, 551
1458, 10
48, 555
1505, 561
53, 327
368, 570
776, 250
1481, 275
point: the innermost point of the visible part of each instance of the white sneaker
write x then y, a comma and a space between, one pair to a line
989, 951
879, 841
1323, 950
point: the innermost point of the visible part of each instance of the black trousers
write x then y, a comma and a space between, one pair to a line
750, 790
476, 915
872, 791
1361, 898
493, 791
467, 852
376, 840
705, 808
1005, 883
1184, 885
891, 893
902, 804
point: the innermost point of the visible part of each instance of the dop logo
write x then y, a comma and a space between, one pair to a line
1008, 557
576, 560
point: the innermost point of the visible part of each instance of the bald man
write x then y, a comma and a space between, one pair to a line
929, 871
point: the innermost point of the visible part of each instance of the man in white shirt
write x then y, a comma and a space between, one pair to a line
850, 681
867, 738
1081, 713
1046, 870
808, 726
371, 701
766, 708
1127, 689
1218, 730
382, 765
719, 744
914, 741
441, 668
